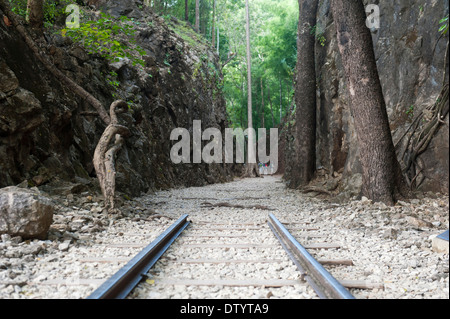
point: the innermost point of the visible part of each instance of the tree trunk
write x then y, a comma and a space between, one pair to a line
243, 103
186, 10
281, 101
270, 103
197, 16
262, 105
35, 14
382, 177
218, 38
303, 164
213, 41
252, 168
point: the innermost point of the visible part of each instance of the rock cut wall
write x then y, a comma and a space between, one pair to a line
45, 138
410, 58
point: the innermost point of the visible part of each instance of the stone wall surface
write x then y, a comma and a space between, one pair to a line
410, 57
46, 139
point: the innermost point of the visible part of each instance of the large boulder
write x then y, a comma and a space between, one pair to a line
25, 213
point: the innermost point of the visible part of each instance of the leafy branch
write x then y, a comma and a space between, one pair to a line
320, 35
105, 37
444, 27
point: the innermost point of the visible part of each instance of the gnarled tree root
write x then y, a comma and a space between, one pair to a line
421, 131
104, 156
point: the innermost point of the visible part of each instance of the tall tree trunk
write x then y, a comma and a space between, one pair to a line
186, 10
252, 168
262, 104
218, 38
303, 164
270, 103
35, 13
243, 99
213, 41
197, 16
382, 177
281, 100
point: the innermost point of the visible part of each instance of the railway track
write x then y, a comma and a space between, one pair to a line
243, 247
230, 252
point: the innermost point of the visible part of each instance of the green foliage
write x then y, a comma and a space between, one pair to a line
319, 34
444, 27
273, 33
274, 51
189, 36
53, 9
19, 7
112, 80
410, 112
106, 36
166, 60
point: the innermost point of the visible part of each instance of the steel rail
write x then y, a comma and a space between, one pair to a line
123, 281
323, 283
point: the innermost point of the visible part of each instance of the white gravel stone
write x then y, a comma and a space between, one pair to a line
389, 245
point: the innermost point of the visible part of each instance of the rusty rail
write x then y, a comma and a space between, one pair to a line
124, 281
323, 283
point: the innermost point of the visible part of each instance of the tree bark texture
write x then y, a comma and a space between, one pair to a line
197, 16
303, 164
252, 168
35, 13
262, 112
382, 177
213, 41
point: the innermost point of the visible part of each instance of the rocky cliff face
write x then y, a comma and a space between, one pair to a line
45, 136
411, 63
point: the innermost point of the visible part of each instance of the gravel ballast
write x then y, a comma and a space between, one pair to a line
388, 245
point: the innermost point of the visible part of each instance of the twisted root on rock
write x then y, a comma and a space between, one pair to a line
104, 157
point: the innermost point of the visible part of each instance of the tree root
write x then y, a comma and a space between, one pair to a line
423, 129
309, 189
207, 204
104, 158
78, 90
252, 171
